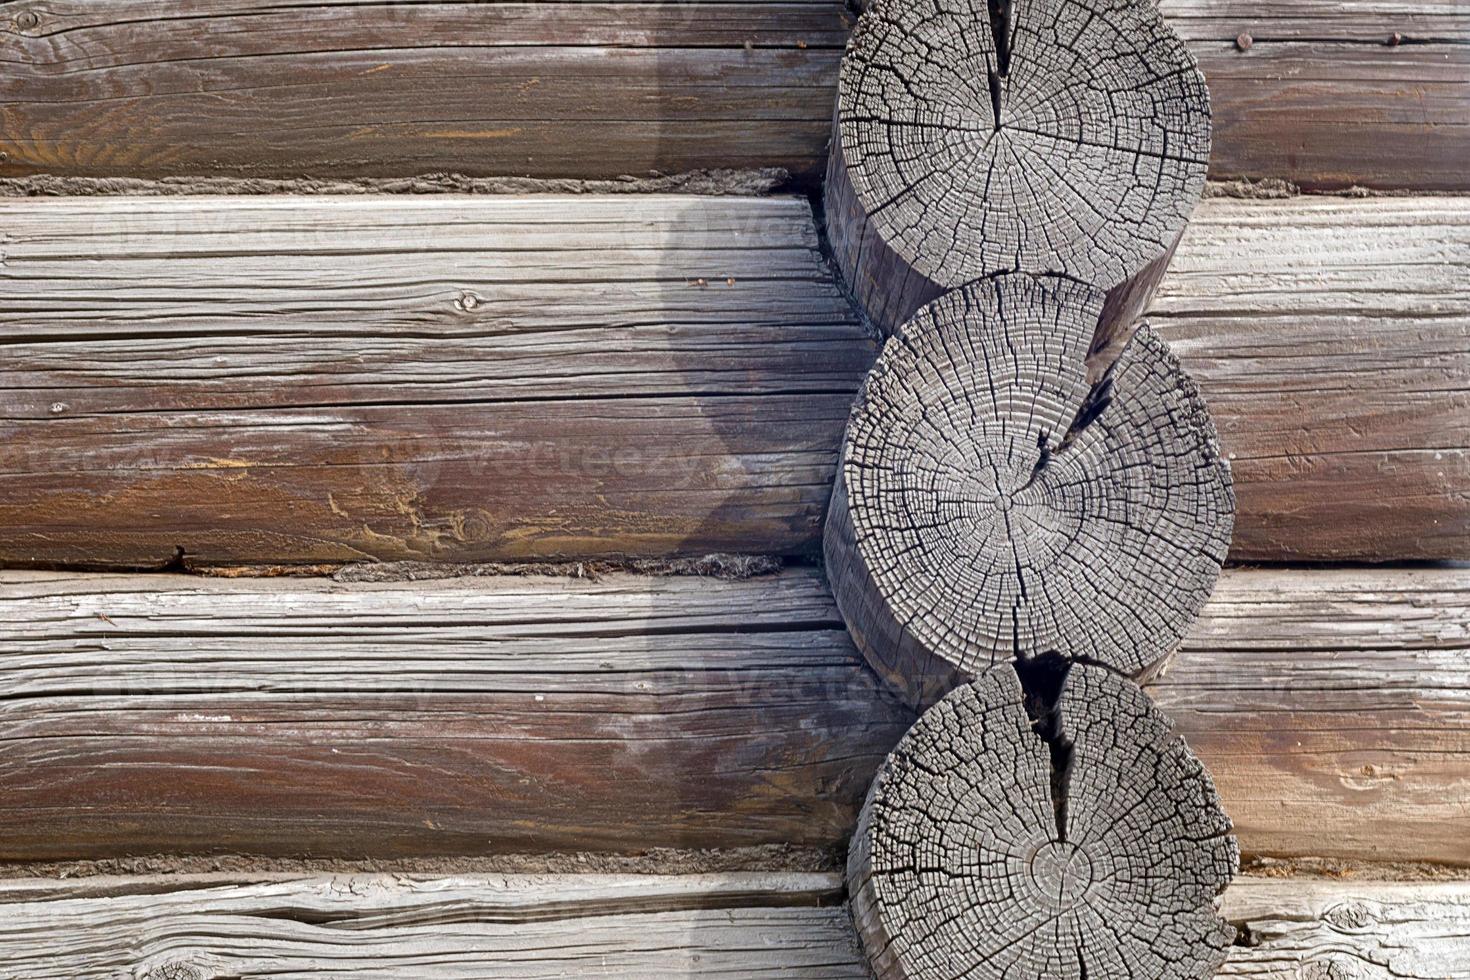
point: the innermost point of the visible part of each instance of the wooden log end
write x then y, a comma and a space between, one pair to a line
1042, 822
1041, 136
993, 504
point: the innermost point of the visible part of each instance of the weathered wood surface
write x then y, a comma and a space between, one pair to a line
363, 88
455, 928
251, 87
304, 379
482, 715
162, 713
1042, 821
726, 926
1346, 930
1318, 92
1331, 338
1332, 708
976, 138
992, 504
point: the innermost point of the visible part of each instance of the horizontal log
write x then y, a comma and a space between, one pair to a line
747, 925
470, 716
1332, 709
486, 715
1320, 93
307, 380
256, 88
503, 927
1331, 338
1356, 930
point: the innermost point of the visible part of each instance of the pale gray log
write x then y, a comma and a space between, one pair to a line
511, 927
991, 504
1068, 840
1040, 136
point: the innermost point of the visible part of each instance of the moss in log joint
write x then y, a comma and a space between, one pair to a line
991, 503
1042, 821
1042, 136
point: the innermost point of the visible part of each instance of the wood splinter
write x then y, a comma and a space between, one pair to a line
991, 504
1042, 821
990, 136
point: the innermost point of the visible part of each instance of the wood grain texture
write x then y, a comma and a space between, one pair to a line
993, 504
1322, 96
147, 714
1331, 338
1332, 708
971, 139
256, 88
308, 379
394, 378
470, 716
367, 88
451, 928
631, 928
1342, 930
1042, 821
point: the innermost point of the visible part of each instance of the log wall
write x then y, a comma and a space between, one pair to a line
252, 88
609, 926
321, 380
301, 716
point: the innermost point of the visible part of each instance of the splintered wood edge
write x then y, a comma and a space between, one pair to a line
1037, 135
1023, 818
992, 504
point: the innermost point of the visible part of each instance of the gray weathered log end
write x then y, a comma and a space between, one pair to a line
1037, 136
992, 503
1042, 821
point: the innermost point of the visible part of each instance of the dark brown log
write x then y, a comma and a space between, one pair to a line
1056, 138
472, 716
276, 379
1330, 336
258, 88
1048, 824
1332, 707
1325, 98
992, 504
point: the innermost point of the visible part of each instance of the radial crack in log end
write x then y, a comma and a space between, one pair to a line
991, 503
960, 867
1042, 136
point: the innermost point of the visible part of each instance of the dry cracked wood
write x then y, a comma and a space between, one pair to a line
1047, 824
279, 379
992, 504
363, 88
478, 715
626, 927
1349, 930
1037, 136
505, 927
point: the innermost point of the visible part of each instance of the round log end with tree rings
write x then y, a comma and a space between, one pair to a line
991, 503
1042, 822
1068, 137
